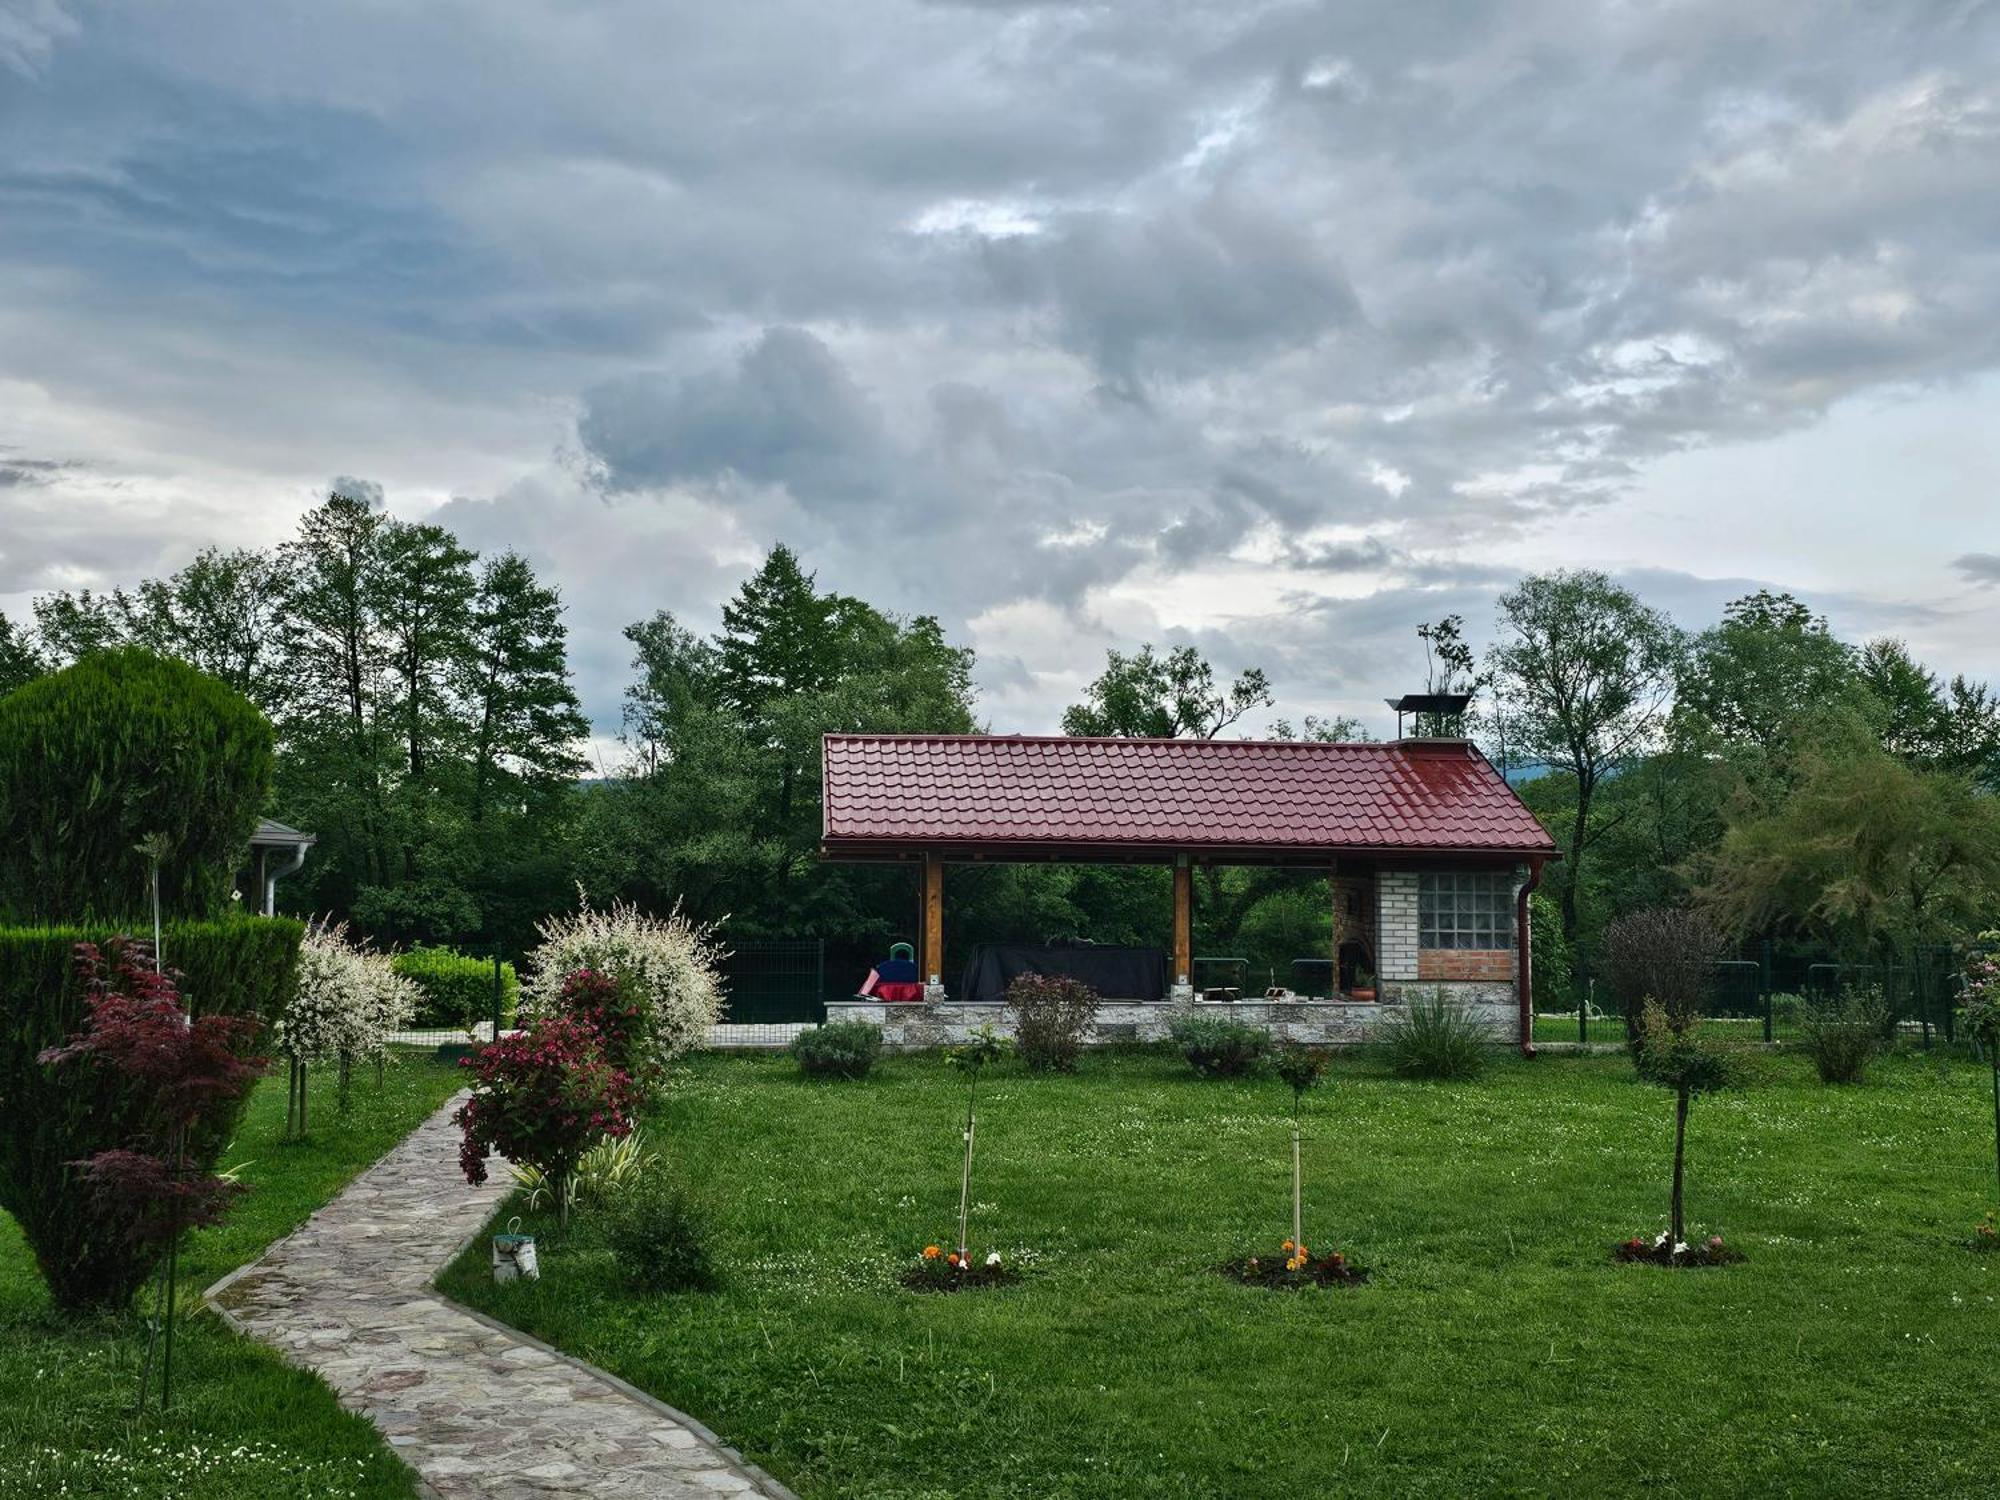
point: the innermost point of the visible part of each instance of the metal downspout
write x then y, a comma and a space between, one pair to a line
272, 877
1525, 973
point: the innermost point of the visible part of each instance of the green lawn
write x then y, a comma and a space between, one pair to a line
1498, 1350
243, 1426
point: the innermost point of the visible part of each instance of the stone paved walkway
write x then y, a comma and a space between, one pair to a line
474, 1408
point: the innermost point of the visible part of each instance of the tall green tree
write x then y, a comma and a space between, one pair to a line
1587, 671
20, 657
1770, 663
1863, 852
525, 717
1144, 694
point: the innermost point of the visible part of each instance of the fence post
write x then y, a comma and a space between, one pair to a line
1581, 977
499, 995
1764, 984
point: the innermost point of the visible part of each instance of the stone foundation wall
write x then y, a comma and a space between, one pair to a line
1318, 1022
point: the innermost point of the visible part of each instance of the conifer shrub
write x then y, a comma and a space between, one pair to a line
124, 748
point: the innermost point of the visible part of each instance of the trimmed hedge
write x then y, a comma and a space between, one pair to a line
243, 966
120, 747
457, 988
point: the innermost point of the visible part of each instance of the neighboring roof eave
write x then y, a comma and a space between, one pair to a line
271, 834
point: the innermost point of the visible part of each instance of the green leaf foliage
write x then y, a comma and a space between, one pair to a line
50, 1119
95, 759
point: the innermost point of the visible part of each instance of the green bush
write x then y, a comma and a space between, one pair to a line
1432, 1035
1842, 1036
1052, 1013
119, 748
1787, 1009
1218, 1048
457, 989
839, 1049
660, 1236
49, 1120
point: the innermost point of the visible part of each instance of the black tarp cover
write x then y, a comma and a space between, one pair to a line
1115, 973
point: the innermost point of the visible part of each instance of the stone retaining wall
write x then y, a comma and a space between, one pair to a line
940, 1023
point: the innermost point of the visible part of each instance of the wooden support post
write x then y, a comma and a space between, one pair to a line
933, 969
1183, 920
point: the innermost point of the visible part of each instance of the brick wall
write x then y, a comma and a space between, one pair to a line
1396, 925
1495, 964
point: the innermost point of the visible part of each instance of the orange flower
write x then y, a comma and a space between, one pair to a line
952, 1259
1286, 1246
931, 1252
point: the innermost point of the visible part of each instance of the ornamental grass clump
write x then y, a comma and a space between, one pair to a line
669, 963
1052, 1015
542, 1098
1843, 1035
1431, 1035
1674, 1054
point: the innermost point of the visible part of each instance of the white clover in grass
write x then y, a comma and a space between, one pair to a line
671, 963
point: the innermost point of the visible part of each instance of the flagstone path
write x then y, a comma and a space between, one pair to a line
476, 1409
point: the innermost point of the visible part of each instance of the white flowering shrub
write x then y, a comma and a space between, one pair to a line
669, 962
347, 1002
332, 988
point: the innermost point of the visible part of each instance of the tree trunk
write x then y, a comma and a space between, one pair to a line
1678, 1229
1579, 839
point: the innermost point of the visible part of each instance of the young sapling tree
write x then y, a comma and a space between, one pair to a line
970, 1057
1302, 1069
1675, 1055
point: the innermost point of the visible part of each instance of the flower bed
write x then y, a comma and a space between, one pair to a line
939, 1271
1294, 1267
1660, 1252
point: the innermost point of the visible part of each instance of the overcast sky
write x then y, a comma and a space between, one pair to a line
1277, 328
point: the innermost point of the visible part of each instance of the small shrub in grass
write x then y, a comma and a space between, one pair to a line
1052, 1012
839, 1049
1787, 1009
1219, 1048
1432, 1035
1843, 1035
541, 1098
660, 1235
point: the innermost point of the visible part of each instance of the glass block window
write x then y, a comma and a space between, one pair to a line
1470, 910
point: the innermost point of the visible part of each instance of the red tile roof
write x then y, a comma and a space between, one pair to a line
888, 792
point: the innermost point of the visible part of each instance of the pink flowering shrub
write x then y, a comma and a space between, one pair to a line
541, 1098
615, 1010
